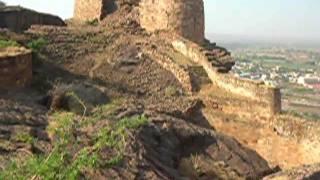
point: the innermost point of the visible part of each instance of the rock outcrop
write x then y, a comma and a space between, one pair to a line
18, 19
197, 152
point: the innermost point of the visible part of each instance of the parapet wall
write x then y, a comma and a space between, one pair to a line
183, 17
182, 75
15, 68
257, 91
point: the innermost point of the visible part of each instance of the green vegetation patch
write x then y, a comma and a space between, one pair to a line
8, 43
61, 164
115, 137
37, 44
24, 137
103, 112
171, 91
94, 22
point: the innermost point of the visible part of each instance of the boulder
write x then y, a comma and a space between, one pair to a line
78, 98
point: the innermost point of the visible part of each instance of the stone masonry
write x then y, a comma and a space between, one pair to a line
15, 67
184, 22
88, 10
258, 92
183, 17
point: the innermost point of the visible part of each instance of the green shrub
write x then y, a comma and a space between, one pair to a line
132, 122
37, 44
7, 43
24, 137
62, 126
94, 22
103, 112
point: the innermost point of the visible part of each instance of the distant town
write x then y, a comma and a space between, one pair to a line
296, 71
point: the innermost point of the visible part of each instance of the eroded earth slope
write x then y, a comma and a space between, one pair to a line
101, 107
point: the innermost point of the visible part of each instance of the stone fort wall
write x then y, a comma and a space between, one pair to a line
88, 10
183, 17
180, 72
265, 96
15, 68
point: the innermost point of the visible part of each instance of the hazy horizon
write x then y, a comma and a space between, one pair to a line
252, 40
273, 20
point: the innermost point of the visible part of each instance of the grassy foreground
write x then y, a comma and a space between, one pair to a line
60, 163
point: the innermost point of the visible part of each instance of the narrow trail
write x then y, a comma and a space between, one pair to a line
255, 132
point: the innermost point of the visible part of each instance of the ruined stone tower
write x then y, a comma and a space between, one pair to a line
183, 17
87, 10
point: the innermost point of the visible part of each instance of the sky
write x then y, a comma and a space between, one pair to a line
264, 18
261, 18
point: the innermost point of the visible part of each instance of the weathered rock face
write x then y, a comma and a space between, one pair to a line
86, 10
19, 19
183, 17
15, 67
198, 152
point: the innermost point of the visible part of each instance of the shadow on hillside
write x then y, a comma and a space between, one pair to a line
49, 74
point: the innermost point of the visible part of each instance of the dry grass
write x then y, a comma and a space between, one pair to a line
13, 51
